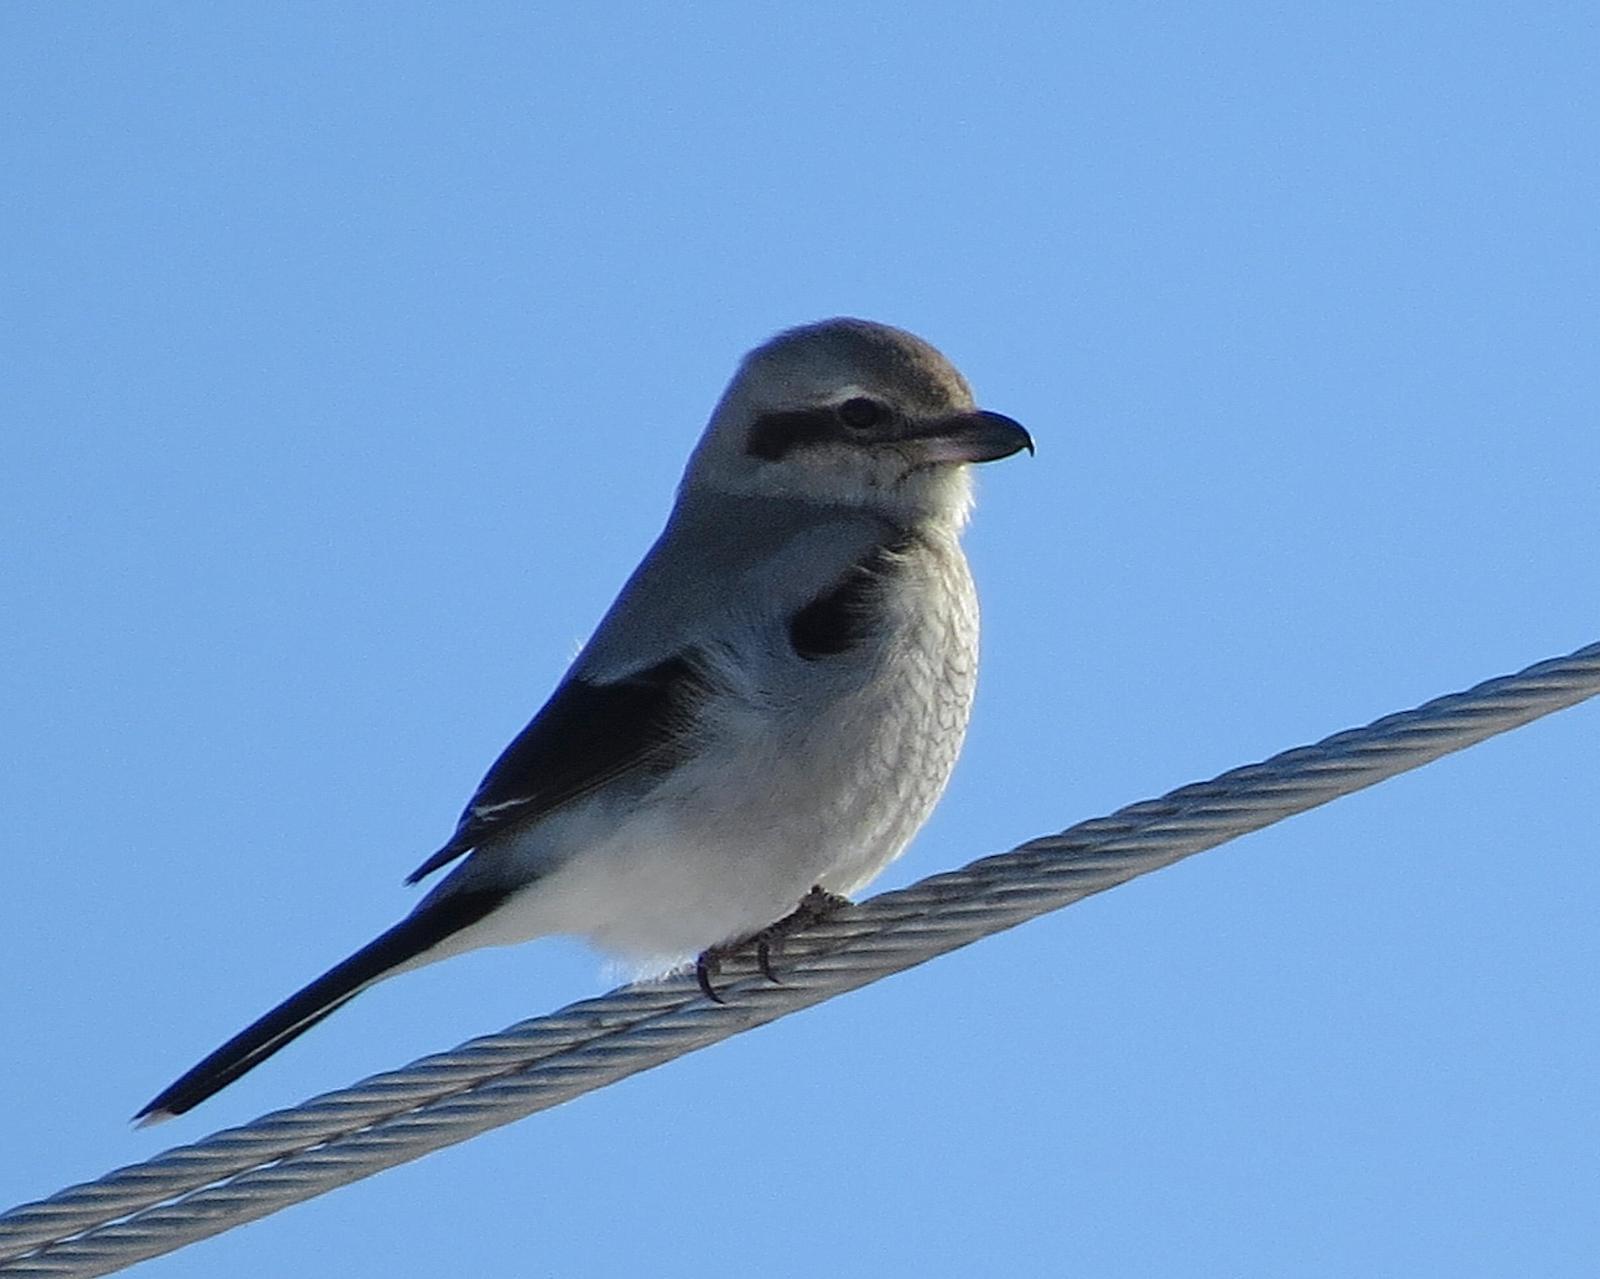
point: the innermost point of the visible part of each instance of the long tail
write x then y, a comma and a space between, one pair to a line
420, 931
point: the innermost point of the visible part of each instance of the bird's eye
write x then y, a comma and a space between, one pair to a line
862, 414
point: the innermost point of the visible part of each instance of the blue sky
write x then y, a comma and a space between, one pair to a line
352, 353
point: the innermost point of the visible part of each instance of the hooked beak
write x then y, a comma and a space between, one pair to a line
976, 436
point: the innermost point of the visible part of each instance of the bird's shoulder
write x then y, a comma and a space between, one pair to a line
722, 570
633, 701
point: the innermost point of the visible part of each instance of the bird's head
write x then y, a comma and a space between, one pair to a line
855, 414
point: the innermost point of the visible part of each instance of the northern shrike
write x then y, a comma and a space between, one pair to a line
769, 710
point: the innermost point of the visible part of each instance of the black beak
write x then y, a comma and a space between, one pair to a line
977, 436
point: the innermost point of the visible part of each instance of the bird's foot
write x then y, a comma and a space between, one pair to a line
814, 906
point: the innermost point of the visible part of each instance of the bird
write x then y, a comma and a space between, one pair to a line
764, 717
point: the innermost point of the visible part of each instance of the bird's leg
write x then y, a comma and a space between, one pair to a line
815, 905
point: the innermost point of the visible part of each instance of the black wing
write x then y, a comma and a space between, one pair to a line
850, 612
588, 734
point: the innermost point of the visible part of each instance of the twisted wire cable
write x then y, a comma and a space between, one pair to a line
241, 1174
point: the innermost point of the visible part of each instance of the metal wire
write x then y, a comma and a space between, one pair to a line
241, 1174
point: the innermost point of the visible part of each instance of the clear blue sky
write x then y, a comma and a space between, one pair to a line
351, 355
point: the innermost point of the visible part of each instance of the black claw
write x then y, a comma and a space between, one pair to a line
764, 960
705, 968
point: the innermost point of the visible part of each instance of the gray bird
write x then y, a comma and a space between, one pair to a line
766, 715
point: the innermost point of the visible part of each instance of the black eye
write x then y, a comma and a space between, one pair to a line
862, 414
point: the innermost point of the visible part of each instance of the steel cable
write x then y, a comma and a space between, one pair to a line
241, 1174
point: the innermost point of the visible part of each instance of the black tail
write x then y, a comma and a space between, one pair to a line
419, 931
